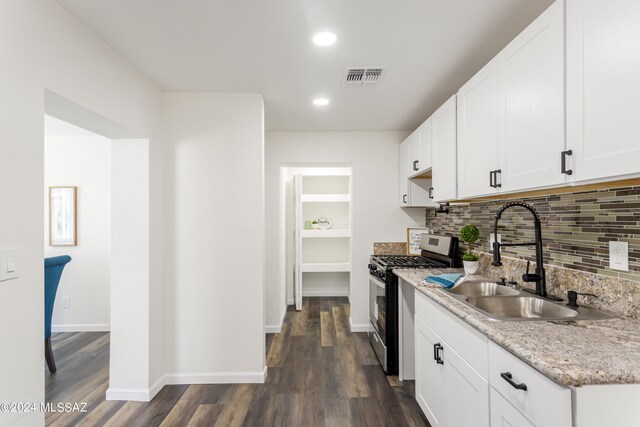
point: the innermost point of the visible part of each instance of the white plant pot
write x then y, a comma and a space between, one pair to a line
470, 267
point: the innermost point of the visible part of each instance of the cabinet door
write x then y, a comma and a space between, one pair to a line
413, 165
503, 414
603, 88
425, 133
403, 176
444, 151
430, 376
466, 391
477, 146
531, 134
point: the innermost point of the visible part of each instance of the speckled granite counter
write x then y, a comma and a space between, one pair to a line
573, 353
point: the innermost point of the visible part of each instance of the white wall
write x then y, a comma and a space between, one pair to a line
215, 161
82, 161
377, 216
43, 47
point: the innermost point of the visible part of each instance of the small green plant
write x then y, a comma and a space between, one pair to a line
314, 222
470, 234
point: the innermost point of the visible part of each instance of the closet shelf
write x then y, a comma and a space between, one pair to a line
323, 267
337, 232
326, 198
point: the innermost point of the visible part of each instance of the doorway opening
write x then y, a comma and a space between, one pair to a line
95, 210
316, 228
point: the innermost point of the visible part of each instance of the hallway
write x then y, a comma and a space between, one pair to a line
319, 374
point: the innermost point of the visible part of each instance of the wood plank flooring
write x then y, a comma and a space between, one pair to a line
320, 374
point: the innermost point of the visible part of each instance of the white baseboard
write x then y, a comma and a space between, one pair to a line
89, 327
144, 395
326, 293
137, 395
355, 327
275, 329
218, 378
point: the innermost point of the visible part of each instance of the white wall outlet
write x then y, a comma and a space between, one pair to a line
492, 238
619, 256
66, 302
8, 264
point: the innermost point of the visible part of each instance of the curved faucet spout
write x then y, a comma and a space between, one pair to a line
539, 276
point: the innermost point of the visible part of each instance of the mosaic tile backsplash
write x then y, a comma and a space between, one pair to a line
576, 228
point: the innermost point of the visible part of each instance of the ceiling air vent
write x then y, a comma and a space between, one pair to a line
362, 76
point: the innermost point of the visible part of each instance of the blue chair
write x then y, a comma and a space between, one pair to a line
52, 272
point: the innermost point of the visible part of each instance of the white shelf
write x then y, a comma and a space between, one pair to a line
338, 232
326, 198
323, 267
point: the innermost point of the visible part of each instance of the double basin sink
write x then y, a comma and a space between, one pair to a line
504, 303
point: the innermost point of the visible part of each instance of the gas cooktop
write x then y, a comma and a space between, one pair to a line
408, 261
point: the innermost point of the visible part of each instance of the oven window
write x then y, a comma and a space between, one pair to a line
378, 306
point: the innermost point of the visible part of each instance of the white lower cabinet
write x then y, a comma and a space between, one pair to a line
448, 389
503, 414
430, 375
463, 379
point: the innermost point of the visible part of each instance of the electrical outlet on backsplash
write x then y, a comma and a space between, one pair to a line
576, 230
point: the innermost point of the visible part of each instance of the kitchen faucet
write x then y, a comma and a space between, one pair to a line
539, 275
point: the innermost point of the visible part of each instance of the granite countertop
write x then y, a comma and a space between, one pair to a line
572, 353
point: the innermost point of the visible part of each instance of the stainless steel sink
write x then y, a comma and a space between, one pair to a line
510, 308
503, 303
532, 308
475, 289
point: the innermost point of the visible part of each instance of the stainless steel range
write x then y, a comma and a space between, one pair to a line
437, 252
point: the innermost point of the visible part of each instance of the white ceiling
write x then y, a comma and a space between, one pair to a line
430, 48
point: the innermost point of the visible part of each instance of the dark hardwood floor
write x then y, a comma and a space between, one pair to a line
319, 374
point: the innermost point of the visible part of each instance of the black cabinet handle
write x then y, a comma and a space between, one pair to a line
509, 378
436, 353
491, 175
431, 192
563, 167
415, 165
498, 171
404, 198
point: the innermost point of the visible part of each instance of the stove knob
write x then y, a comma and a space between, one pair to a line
372, 267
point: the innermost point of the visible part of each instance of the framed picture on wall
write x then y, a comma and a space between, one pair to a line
63, 225
413, 240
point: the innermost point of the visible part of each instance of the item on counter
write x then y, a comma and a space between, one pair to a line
447, 280
470, 234
324, 223
307, 225
314, 225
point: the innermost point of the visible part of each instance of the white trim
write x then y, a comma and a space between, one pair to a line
326, 293
276, 329
218, 378
290, 301
157, 386
137, 395
89, 327
360, 327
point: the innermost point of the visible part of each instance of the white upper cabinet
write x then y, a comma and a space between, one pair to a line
511, 133
426, 140
413, 192
414, 153
603, 87
531, 135
477, 145
443, 149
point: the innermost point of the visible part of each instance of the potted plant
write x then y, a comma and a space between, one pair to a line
314, 225
470, 234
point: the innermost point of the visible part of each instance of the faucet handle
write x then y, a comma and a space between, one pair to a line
530, 277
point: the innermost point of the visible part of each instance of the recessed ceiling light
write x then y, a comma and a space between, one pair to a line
320, 101
324, 39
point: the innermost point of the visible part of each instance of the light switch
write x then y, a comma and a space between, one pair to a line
8, 264
11, 264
